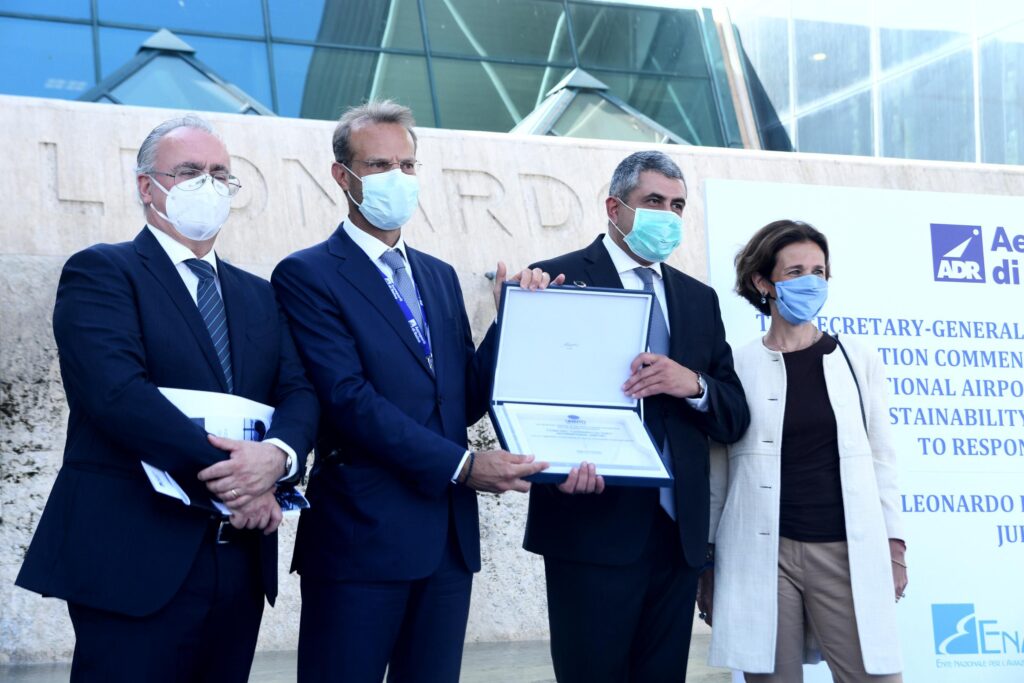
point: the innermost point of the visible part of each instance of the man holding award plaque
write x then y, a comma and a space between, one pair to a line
622, 561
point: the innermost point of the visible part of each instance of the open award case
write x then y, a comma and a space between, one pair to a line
563, 356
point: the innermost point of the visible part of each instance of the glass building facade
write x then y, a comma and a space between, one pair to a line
942, 80
466, 64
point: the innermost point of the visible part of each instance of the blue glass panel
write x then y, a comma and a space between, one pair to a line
841, 128
172, 82
635, 39
482, 96
53, 59
118, 46
1002, 98
929, 112
242, 63
367, 23
515, 29
74, 9
686, 106
830, 56
320, 83
219, 16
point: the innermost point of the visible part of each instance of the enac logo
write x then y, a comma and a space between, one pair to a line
955, 628
958, 253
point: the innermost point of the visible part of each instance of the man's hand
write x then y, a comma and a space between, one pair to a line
500, 471
656, 374
583, 479
532, 279
251, 471
261, 512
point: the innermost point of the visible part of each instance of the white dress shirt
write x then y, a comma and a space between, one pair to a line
624, 265
179, 253
374, 249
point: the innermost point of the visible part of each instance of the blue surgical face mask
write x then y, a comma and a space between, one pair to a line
655, 234
389, 199
799, 300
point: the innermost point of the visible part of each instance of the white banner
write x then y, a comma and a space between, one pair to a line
933, 281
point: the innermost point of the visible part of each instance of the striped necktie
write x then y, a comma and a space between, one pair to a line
658, 343
211, 307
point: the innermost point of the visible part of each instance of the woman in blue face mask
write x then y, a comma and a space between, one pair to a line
809, 561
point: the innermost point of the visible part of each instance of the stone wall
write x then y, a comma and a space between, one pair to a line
68, 182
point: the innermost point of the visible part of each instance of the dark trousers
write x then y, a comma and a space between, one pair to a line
619, 624
352, 631
207, 632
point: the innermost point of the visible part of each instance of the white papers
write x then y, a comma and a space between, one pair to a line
569, 346
225, 415
563, 436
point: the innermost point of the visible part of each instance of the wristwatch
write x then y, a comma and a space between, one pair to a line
703, 386
289, 461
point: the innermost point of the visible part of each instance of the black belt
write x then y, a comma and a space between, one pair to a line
223, 533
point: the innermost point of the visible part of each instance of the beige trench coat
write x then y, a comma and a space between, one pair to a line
745, 512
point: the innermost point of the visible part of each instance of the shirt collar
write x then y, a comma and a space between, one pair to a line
622, 261
373, 247
178, 252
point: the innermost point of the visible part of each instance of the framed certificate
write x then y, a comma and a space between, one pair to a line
563, 402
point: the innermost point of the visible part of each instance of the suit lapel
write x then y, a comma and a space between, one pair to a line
155, 259
236, 310
599, 267
680, 312
355, 266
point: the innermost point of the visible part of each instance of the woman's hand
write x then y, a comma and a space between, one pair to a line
897, 553
706, 595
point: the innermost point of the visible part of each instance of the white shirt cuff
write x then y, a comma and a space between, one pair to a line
288, 451
455, 476
700, 404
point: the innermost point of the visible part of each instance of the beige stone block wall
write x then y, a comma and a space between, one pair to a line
69, 183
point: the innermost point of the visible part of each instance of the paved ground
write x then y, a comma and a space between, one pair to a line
519, 662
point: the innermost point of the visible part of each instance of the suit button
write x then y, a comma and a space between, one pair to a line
440, 400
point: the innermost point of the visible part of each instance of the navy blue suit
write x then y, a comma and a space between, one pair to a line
125, 324
392, 433
621, 575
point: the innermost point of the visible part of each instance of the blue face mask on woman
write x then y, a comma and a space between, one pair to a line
799, 300
655, 234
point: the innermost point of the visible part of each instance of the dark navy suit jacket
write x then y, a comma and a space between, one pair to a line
392, 433
125, 324
612, 528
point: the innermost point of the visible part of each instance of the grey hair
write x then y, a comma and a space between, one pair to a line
374, 111
146, 160
627, 174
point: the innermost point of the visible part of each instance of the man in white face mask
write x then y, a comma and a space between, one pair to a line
157, 590
391, 540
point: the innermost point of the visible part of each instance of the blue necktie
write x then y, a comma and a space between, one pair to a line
211, 307
658, 343
393, 259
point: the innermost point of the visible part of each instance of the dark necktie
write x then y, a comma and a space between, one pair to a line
211, 307
658, 343
394, 260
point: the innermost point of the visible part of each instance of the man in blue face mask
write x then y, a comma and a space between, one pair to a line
388, 548
622, 562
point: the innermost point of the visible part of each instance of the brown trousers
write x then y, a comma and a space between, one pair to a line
815, 593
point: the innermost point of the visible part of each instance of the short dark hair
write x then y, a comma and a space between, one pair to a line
760, 253
374, 111
627, 174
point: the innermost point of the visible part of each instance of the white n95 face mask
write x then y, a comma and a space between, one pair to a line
389, 199
197, 214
